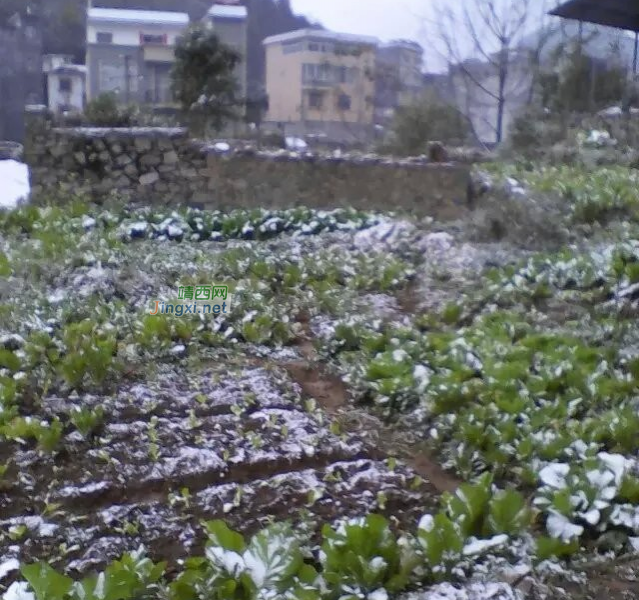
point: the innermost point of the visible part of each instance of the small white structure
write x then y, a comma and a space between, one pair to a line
66, 85
15, 183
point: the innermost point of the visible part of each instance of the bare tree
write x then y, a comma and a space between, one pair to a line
492, 48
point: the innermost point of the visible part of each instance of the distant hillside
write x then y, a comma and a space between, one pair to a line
64, 23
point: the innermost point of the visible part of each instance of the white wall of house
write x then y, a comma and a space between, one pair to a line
124, 27
129, 34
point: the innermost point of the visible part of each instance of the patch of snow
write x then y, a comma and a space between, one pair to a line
137, 17
476, 546
427, 523
14, 176
232, 562
472, 591
138, 228
559, 527
8, 567
88, 222
295, 143
388, 233
19, 590
400, 355
611, 111
85, 490
228, 11
12, 341
178, 350
554, 475
174, 232
422, 374
190, 461
598, 139
617, 463
514, 187
377, 564
36, 525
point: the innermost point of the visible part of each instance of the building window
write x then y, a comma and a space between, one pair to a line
148, 38
104, 37
344, 102
318, 47
292, 47
316, 100
312, 73
65, 84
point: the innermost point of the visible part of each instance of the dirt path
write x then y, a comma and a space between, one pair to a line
317, 381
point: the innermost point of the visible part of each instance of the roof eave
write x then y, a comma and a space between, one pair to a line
592, 12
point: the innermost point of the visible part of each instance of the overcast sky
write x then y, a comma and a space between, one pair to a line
385, 19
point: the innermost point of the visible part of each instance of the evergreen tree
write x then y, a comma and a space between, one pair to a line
203, 80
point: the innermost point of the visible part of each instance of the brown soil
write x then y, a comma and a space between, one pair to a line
331, 392
429, 468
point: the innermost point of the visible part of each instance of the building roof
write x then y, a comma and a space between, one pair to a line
321, 34
403, 44
70, 70
623, 14
225, 11
146, 17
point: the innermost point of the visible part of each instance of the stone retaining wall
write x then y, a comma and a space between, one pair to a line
165, 167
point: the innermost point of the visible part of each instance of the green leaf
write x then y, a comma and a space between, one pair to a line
629, 490
442, 542
363, 553
469, 505
274, 557
508, 513
8, 360
46, 583
555, 548
5, 265
220, 535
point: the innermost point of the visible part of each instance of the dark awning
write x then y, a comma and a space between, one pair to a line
623, 14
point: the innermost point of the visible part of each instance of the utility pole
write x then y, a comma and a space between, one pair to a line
127, 79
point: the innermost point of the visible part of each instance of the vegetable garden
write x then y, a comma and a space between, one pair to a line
296, 447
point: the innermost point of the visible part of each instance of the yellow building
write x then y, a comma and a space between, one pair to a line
321, 83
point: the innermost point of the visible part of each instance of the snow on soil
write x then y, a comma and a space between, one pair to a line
389, 233
14, 178
238, 438
473, 591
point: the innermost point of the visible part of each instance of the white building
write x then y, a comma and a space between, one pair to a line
229, 20
130, 53
66, 87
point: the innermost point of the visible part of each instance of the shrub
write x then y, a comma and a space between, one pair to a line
534, 133
426, 120
203, 79
104, 111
